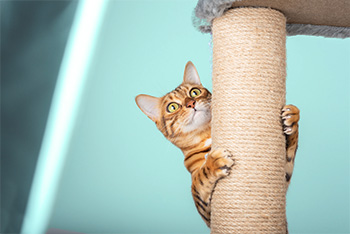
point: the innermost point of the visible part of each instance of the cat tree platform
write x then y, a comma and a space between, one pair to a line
249, 72
329, 18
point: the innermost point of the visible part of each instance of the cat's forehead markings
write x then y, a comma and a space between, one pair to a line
187, 87
178, 89
176, 94
169, 97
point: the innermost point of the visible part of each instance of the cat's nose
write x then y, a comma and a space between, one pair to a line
190, 104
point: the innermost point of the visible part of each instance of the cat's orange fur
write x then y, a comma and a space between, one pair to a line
189, 129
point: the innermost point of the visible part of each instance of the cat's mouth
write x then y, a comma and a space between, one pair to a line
197, 118
194, 113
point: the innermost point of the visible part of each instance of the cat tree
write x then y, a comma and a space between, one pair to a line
249, 71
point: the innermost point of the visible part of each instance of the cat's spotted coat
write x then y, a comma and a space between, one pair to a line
184, 116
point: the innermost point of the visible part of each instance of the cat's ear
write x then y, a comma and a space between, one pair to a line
191, 75
148, 105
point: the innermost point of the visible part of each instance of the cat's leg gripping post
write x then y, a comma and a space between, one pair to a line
249, 72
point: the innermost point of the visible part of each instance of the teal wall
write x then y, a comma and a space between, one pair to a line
122, 176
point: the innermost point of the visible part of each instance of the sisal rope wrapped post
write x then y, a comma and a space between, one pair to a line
249, 71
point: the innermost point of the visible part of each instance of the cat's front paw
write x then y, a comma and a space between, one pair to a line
220, 162
290, 117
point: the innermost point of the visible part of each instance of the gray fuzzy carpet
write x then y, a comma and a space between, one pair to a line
207, 10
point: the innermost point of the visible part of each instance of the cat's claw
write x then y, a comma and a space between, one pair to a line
288, 130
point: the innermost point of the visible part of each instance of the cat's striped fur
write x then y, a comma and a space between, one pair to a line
184, 119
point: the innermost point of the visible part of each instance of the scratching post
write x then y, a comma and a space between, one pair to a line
248, 95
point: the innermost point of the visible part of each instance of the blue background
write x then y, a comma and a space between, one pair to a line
123, 176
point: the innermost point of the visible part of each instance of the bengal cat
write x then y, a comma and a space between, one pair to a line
184, 116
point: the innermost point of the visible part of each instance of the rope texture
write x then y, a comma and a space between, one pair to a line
249, 71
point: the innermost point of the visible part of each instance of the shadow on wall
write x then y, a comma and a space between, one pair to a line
33, 39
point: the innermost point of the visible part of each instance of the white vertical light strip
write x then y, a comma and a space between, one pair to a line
63, 113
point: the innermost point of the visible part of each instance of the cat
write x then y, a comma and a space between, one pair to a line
184, 115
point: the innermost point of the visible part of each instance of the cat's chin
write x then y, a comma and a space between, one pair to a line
197, 120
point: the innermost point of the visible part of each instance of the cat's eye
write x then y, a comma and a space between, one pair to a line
195, 92
172, 107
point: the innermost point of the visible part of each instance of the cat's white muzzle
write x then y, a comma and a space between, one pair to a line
198, 117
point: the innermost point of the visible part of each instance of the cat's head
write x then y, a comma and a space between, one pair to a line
184, 110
